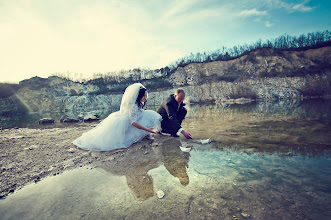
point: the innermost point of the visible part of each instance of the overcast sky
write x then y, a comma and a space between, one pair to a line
41, 37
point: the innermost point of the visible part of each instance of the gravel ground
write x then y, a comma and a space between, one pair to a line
28, 155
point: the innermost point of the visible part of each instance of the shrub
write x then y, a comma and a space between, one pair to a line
8, 89
156, 83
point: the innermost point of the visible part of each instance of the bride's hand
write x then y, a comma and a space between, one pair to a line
150, 130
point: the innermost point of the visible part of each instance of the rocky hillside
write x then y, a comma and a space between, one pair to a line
257, 64
264, 74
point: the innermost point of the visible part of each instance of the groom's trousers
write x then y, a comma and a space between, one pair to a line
171, 126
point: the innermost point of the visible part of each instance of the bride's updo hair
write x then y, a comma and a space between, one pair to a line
140, 95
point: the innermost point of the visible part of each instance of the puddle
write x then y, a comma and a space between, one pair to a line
208, 182
266, 161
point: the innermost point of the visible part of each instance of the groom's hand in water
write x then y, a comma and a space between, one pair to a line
186, 134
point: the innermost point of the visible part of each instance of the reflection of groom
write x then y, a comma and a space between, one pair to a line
175, 160
173, 113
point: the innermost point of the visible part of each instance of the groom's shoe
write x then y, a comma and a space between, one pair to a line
175, 135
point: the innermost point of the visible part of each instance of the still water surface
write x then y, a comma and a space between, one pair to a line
266, 161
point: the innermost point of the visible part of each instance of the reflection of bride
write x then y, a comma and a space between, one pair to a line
125, 127
136, 161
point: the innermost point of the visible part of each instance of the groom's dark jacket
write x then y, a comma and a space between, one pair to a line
172, 114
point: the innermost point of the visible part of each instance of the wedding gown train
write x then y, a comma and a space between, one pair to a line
117, 131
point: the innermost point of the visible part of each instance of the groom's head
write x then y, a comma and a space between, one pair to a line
179, 95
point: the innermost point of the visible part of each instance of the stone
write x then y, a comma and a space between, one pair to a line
46, 121
66, 119
185, 149
80, 117
96, 114
70, 120
72, 150
90, 118
32, 147
205, 141
63, 117
245, 215
160, 194
17, 137
155, 144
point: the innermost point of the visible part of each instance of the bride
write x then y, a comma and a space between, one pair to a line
123, 128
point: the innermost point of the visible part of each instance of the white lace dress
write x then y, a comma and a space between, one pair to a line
117, 131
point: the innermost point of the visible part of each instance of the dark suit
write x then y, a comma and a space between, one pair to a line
172, 114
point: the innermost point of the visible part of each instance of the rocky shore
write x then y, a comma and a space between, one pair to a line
28, 155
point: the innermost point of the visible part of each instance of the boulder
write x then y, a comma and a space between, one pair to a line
46, 121
80, 117
63, 117
66, 119
70, 120
88, 118
96, 114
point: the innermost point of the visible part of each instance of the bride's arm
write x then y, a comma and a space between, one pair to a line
134, 117
139, 126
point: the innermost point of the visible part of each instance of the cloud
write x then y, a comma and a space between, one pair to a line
290, 7
178, 7
252, 12
96, 38
302, 8
191, 12
268, 24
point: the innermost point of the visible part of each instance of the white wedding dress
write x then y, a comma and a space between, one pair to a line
117, 131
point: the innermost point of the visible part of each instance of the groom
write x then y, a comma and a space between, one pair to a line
173, 113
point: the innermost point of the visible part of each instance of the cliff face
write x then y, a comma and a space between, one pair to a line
57, 94
258, 64
263, 74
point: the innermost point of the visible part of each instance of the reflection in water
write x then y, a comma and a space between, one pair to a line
223, 182
135, 162
292, 109
176, 161
31, 119
263, 125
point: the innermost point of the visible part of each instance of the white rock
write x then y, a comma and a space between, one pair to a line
205, 141
17, 137
160, 194
245, 215
185, 149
